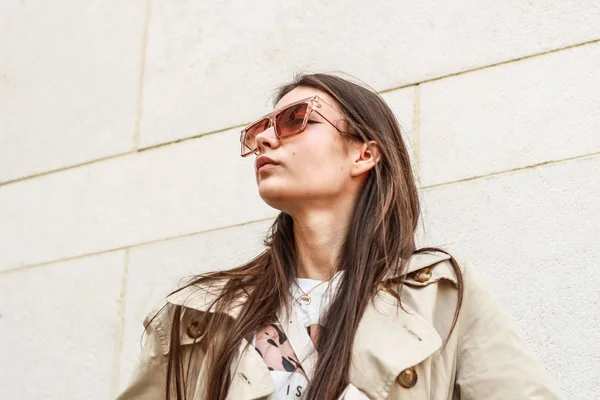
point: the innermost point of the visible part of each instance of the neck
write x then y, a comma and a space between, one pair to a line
319, 237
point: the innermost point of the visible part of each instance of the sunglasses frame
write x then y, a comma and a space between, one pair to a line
313, 103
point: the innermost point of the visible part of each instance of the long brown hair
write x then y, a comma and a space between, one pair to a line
378, 244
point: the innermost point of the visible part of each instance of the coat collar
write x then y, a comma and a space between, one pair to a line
388, 340
200, 297
426, 259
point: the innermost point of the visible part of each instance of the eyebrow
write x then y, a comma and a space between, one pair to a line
293, 102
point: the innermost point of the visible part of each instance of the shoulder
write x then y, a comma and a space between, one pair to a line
434, 265
434, 287
187, 305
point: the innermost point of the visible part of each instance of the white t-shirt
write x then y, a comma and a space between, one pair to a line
272, 342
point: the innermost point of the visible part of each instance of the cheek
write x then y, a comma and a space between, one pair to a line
319, 162
317, 148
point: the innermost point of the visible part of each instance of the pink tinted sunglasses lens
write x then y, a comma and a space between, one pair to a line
289, 121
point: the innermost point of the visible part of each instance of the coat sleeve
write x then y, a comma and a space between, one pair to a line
494, 361
148, 380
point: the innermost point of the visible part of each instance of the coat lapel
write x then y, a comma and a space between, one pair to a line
250, 376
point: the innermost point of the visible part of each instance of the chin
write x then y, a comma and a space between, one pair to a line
273, 195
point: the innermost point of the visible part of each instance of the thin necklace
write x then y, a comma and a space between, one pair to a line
305, 298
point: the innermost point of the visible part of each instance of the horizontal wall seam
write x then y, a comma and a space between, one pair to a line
510, 171
66, 168
129, 247
488, 66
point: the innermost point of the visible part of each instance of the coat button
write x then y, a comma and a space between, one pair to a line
423, 275
408, 377
194, 330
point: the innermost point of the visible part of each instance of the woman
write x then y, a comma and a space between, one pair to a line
341, 304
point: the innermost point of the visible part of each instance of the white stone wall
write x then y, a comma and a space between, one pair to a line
120, 173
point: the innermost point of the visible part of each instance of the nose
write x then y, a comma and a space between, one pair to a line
267, 138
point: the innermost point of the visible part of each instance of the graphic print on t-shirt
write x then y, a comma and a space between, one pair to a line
275, 349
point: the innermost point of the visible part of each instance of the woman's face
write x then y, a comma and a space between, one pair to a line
314, 167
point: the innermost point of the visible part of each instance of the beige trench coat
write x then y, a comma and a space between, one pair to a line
397, 353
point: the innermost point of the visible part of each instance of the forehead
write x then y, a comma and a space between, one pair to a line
301, 93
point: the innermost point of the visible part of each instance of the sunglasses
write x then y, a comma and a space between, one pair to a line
287, 122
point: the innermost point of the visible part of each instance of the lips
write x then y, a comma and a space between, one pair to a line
264, 160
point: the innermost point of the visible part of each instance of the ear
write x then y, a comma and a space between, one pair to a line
365, 156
